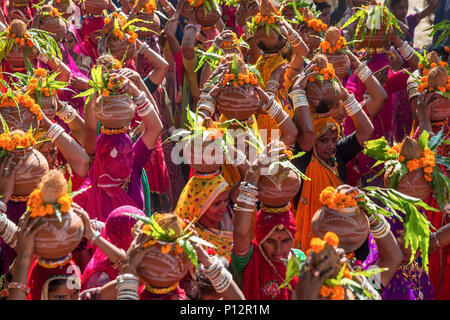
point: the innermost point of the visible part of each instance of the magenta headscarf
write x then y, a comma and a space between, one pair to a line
113, 164
79, 46
90, 25
117, 230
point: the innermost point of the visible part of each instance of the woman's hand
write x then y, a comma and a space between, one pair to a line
424, 106
354, 61
79, 83
130, 74
203, 256
27, 229
135, 254
127, 86
302, 78
8, 170
310, 282
88, 229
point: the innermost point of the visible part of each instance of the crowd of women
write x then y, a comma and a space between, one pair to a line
240, 149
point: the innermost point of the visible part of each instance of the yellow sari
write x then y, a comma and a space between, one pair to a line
195, 199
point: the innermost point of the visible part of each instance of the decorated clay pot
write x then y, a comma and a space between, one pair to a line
378, 40
163, 270
340, 62
440, 110
63, 7
95, 7
208, 19
412, 184
203, 157
152, 22
237, 102
19, 118
326, 91
58, 239
30, 172
48, 105
309, 36
55, 26
120, 49
114, 111
271, 43
278, 189
350, 225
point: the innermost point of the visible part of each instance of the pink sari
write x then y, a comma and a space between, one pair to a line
117, 230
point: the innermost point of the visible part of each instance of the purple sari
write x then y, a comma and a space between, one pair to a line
410, 282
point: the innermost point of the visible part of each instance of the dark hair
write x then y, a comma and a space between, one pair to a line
324, 106
322, 5
55, 283
393, 3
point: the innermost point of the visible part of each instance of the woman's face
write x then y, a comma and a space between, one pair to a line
278, 246
216, 211
400, 10
119, 161
326, 145
70, 41
382, 75
94, 37
62, 292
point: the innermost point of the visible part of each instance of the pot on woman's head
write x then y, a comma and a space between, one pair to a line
205, 17
272, 42
114, 111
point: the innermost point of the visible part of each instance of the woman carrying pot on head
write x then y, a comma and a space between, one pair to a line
324, 163
259, 264
391, 118
115, 177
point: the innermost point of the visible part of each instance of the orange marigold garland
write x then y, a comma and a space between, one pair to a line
10, 141
316, 24
326, 46
326, 73
38, 209
338, 201
240, 80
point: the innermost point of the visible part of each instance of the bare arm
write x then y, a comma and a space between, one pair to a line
413, 60
74, 154
168, 8
90, 122
160, 65
76, 125
429, 9
376, 91
300, 50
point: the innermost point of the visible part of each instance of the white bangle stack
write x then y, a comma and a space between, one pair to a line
363, 72
7, 229
144, 108
248, 194
411, 87
299, 99
380, 230
219, 276
406, 51
54, 131
273, 108
140, 99
127, 287
67, 113
142, 48
3, 207
352, 106
293, 38
207, 103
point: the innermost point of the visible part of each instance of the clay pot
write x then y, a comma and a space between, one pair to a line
48, 106
340, 62
62, 7
95, 7
209, 19
237, 102
271, 43
163, 270
29, 174
316, 92
278, 189
59, 238
55, 26
351, 226
114, 111
412, 184
378, 40
19, 121
154, 26
309, 37
120, 48
441, 110
203, 157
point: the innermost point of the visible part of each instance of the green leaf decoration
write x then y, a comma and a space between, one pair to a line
293, 269
423, 139
189, 250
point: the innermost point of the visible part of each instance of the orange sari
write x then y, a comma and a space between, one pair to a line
321, 176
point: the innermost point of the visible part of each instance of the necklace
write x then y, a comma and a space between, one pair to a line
210, 175
15, 198
161, 291
284, 208
124, 186
51, 263
111, 132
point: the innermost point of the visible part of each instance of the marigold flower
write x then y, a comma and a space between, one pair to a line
178, 249
433, 65
325, 291
331, 238
338, 293
413, 164
165, 249
150, 243
317, 244
105, 92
